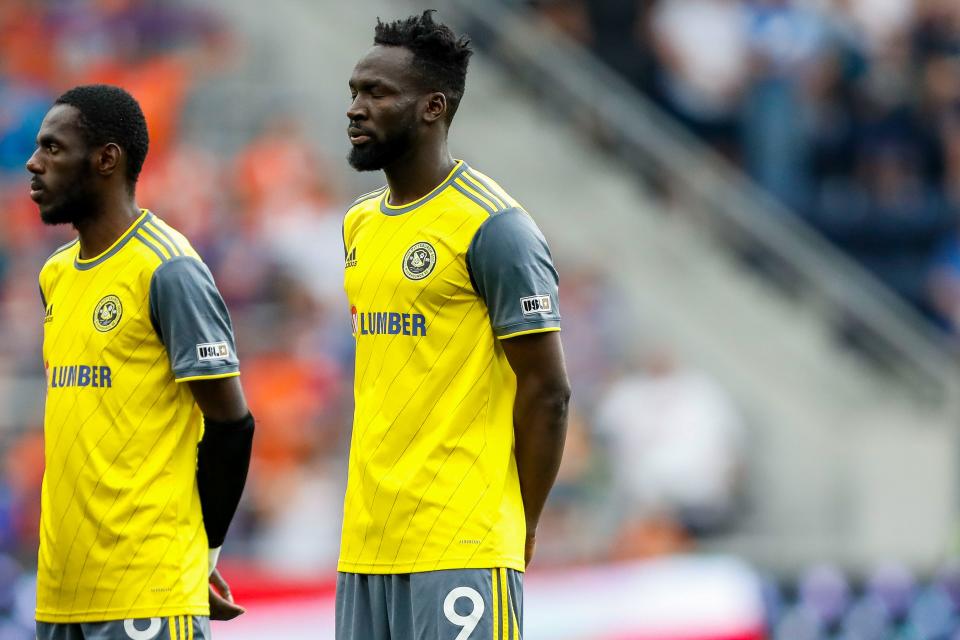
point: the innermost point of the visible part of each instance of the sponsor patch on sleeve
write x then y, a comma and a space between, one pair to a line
536, 305
213, 351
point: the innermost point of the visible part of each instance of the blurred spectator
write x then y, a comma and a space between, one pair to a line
701, 47
888, 219
676, 444
846, 111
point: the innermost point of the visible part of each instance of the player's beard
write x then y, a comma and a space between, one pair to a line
77, 202
374, 156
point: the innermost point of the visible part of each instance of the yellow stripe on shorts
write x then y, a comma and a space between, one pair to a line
173, 629
190, 627
493, 576
504, 602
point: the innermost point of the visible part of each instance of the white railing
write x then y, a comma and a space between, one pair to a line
574, 84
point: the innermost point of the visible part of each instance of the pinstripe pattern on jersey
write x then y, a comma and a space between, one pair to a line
383, 357
109, 547
434, 411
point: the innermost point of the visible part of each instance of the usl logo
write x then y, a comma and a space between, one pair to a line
536, 305
213, 351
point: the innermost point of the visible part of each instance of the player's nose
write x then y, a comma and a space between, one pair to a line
33, 163
356, 110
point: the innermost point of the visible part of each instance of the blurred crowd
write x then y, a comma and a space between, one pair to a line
661, 437
889, 601
848, 111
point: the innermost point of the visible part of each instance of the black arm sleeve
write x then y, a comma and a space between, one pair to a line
223, 458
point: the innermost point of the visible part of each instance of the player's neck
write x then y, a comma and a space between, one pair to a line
99, 232
418, 173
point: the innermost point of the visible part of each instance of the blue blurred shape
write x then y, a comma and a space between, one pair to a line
866, 620
947, 578
799, 623
895, 587
773, 599
931, 614
9, 573
825, 591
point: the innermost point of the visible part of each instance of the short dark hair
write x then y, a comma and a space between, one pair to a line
110, 114
440, 57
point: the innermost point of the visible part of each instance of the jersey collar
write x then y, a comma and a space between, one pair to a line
112, 250
386, 208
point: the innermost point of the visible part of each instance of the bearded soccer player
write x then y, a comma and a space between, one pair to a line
461, 391
147, 432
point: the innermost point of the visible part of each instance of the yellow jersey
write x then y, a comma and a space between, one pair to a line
121, 531
433, 287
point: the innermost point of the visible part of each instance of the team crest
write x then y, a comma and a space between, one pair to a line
419, 261
107, 314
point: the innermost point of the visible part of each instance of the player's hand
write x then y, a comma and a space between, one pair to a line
222, 606
528, 551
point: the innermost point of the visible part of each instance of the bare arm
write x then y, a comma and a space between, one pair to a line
539, 419
220, 399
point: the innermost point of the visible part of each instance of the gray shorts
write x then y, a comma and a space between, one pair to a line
458, 604
173, 628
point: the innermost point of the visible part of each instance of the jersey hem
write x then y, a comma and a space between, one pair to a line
109, 615
528, 331
423, 567
211, 376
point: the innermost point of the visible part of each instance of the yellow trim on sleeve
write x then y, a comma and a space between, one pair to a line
215, 376
529, 331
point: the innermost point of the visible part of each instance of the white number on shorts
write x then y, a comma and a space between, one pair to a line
147, 634
470, 621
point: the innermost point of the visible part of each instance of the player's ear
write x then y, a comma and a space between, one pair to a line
108, 159
436, 108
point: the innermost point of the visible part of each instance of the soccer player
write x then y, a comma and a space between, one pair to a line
460, 387
148, 435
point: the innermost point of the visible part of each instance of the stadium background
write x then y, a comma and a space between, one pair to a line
753, 207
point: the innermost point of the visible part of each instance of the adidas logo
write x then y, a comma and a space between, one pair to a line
352, 258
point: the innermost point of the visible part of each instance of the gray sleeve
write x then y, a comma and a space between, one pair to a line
190, 317
512, 270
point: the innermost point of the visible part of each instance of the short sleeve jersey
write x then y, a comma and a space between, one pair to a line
433, 288
121, 531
